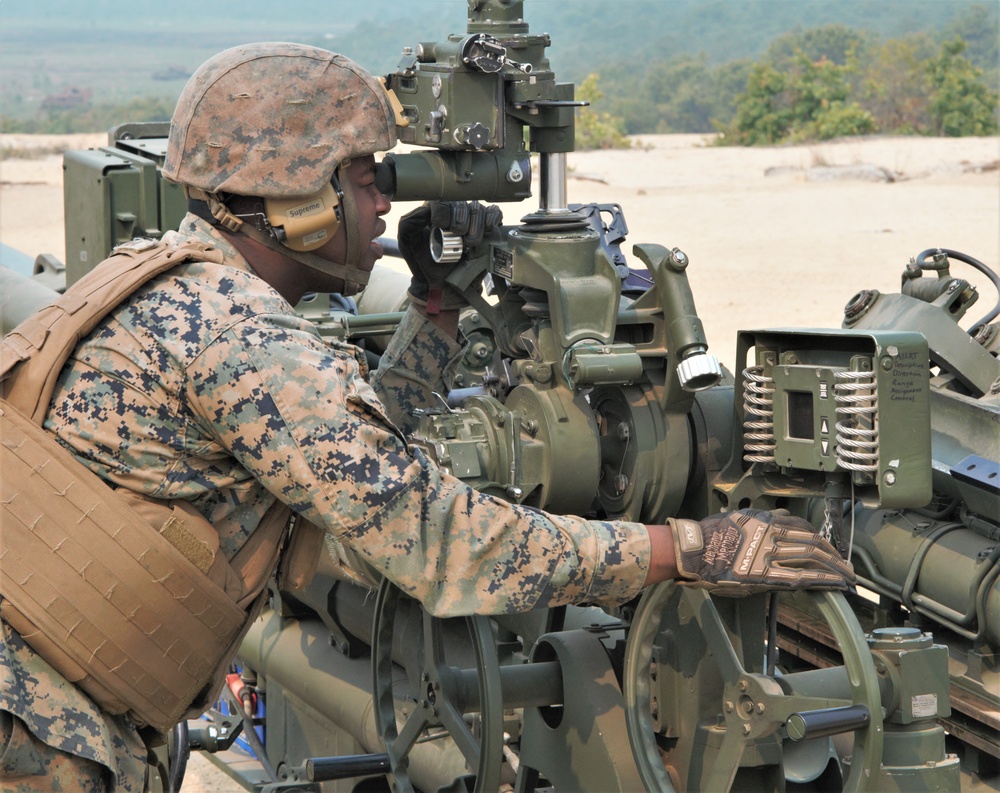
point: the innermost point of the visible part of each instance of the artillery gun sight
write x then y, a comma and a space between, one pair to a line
589, 388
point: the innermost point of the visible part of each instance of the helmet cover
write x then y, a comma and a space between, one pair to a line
275, 120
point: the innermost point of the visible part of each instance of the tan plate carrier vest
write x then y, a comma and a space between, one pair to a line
123, 595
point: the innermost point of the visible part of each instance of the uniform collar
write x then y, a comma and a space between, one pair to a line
193, 227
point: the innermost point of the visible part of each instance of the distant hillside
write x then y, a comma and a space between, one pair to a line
588, 34
122, 53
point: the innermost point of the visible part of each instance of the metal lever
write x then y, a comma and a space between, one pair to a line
826, 722
326, 769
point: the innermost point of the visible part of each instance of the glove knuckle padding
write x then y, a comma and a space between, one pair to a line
753, 550
441, 214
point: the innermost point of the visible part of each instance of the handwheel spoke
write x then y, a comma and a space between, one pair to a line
430, 675
412, 728
715, 634
725, 763
461, 733
753, 703
433, 649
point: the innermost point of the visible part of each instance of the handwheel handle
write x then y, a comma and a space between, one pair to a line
652, 616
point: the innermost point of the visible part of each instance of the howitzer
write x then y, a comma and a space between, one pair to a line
589, 388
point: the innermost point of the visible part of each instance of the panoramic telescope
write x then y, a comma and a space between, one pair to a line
589, 388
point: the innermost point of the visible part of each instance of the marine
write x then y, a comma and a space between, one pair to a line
215, 412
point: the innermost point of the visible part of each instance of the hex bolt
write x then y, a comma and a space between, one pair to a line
678, 259
729, 706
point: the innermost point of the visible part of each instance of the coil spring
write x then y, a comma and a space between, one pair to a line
857, 433
758, 406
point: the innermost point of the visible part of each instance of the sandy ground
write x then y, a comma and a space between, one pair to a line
769, 245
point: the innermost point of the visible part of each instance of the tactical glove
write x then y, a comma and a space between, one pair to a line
471, 221
739, 553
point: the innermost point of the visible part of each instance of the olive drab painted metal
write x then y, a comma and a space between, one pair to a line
587, 386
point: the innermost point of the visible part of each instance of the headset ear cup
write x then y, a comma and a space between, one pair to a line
304, 224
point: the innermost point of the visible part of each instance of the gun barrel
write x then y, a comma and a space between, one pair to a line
20, 297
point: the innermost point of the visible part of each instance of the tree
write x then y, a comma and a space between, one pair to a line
806, 100
681, 92
689, 95
834, 43
960, 101
978, 27
594, 129
764, 113
896, 85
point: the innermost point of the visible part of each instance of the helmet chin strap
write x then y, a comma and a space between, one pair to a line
354, 279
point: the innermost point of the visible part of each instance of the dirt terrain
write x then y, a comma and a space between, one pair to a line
776, 236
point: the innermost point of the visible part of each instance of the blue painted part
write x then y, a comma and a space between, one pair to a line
979, 471
13, 259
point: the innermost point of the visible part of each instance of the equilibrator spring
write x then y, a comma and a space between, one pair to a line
758, 407
857, 430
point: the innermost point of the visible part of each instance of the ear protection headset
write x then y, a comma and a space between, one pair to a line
299, 226
304, 224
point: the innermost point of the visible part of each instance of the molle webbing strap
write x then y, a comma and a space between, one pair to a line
351, 231
88, 581
354, 280
87, 302
126, 609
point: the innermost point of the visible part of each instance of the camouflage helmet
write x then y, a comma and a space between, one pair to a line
275, 120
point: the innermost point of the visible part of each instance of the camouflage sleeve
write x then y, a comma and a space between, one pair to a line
300, 416
414, 367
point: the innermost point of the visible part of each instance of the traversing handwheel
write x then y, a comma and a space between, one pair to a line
443, 694
752, 707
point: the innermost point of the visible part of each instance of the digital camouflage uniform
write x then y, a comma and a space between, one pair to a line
205, 386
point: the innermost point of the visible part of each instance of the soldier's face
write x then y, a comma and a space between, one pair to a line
371, 205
